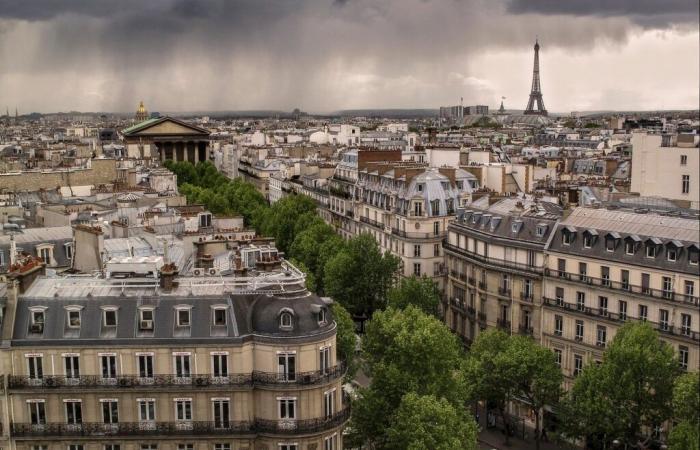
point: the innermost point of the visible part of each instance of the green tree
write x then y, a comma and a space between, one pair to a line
308, 241
421, 292
686, 409
426, 422
360, 276
489, 373
346, 339
405, 351
537, 376
632, 390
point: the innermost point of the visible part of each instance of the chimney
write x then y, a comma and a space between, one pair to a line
89, 248
168, 273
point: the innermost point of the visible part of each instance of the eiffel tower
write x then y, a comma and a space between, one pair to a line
536, 93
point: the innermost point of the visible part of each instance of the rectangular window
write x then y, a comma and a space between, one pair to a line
330, 443
416, 251
222, 446
689, 289
605, 276
182, 366
587, 240
149, 447
185, 446
643, 312
37, 412
110, 411
147, 410
558, 325
580, 301
74, 319
684, 160
645, 283
601, 336
671, 254
220, 317
559, 296
629, 247
436, 226
561, 267
603, 306
416, 269
622, 308
286, 366
582, 271
110, 318
329, 404
74, 413
578, 365
183, 317
651, 251
667, 287
145, 366
579, 330
625, 279
436, 249
557, 356
287, 447
685, 184
220, 365
324, 358
663, 319
71, 366
683, 357
75, 447
183, 410
221, 414
111, 447
528, 290
566, 238
531, 258
686, 321
287, 408
35, 367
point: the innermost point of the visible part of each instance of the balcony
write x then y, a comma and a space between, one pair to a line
155, 429
526, 297
503, 323
504, 291
471, 281
625, 286
458, 305
247, 380
471, 312
497, 263
525, 330
371, 222
417, 235
604, 314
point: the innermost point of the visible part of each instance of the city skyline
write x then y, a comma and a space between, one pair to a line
336, 55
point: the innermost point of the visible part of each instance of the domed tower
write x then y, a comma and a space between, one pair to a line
141, 113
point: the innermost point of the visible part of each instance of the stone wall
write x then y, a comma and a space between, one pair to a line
103, 171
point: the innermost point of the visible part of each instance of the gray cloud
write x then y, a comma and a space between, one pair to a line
648, 13
318, 55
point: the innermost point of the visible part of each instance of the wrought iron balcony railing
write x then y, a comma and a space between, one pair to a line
256, 378
180, 428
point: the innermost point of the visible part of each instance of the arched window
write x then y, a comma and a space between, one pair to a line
286, 316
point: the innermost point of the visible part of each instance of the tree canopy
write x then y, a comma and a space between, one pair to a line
421, 292
628, 394
686, 409
359, 276
427, 422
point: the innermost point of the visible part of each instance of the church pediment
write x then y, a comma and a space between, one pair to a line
164, 126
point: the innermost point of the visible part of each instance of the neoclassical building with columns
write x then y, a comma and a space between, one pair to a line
164, 138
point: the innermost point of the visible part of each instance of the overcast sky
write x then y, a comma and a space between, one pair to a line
326, 55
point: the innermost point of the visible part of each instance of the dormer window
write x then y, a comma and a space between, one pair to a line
419, 186
286, 319
629, 248
183, 317
672, 254
540, 230
651, 251
37, 318
73, 318
587, 241
219, 317
322, 316
109, 317
69, 250
693, 255
515, 227
146, 319
610, 245
566, 238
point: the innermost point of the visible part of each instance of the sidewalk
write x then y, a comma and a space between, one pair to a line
492, 438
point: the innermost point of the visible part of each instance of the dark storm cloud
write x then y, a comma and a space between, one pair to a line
648, 13
317, 54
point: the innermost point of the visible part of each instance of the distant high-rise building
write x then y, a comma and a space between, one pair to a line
536, 92
141, 113
476, 110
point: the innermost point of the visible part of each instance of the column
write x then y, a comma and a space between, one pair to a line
196, 152
186, 151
